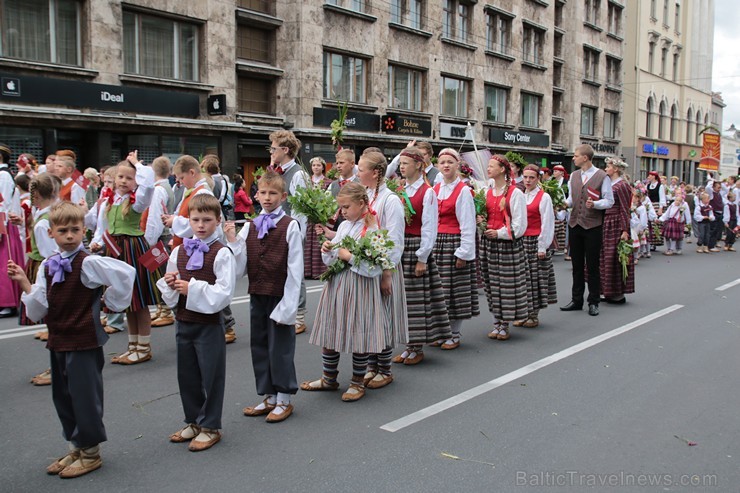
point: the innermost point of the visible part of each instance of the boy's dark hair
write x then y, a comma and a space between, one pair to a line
23, 182
272, 180
205, 202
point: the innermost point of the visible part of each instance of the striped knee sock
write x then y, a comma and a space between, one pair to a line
359, 366
330, 360
384, 361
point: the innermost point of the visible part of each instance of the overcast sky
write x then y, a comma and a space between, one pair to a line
726, 64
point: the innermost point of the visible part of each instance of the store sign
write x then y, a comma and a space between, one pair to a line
322, 117
77, 94
519, 138
402, 125
603, 148
655, 149
452, 131
217, 104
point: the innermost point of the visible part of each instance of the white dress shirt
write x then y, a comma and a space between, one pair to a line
465, 213
77, 193
96, 271
698, 216
547, 217
11, 198
299, 180
285, 311
154, 224
353, 229
607, 195
649, 209
180, 224
390, 217
203, 297
429, 219
639, 219
673, 211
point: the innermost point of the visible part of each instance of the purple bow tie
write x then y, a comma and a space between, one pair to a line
264, 223
195, 249
57, 267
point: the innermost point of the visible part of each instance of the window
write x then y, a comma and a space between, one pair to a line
356, 5
613, 71
405, 88
264, 6
590, 65
675, 67
653, 10
496, 104
456, 20
615, 19
255, 95
406, 12
345, 77
160, 47
532, 44
588, 117
663, 61
665, 12
530, 110
677, 22
662, 120
454, 97
253, 44
610, 125
649, 117
674, 123
41, 31
651, 58
592, 11
689, 130
498, 33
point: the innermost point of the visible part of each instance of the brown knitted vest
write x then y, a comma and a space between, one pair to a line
203, 274
580, 214
267, 260
74, 311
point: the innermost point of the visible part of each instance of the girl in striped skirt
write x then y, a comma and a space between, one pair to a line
656, 194
537, 238
501, 250
313, 265
427, 312
615, 229
350, 317
454, 250
120, 220
387, 206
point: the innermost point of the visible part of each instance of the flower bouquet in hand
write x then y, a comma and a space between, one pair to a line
374, 248
396, 187
555, 192
624, 252
479, 200
315, 203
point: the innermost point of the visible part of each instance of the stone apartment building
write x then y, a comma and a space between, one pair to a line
166, 76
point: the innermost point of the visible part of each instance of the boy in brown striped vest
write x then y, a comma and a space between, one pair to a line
69, 284
200, 280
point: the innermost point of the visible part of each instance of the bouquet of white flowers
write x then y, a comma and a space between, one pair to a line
374, 248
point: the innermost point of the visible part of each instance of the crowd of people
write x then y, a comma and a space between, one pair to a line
126, 241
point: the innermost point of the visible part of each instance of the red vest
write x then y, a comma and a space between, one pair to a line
66, 192
448, 223
183, 211
497, 217
417, 202
534, 220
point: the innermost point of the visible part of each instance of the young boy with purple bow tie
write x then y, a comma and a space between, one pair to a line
199, 284
272, 249
69, 285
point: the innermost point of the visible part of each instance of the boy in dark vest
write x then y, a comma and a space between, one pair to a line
272, 247
69, 285
199, 283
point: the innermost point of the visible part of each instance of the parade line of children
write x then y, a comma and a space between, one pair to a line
366, 310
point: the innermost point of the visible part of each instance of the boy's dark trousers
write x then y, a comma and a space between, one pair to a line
703, 233
730, 233
715, 229
77, 392
201, 372
273, 348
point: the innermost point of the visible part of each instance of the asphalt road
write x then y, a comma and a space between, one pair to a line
581, 403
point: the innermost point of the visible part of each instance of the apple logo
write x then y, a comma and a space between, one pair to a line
216, 104
10, 85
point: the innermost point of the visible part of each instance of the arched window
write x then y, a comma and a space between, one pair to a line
662, 116
649, 118
674, 123
689, 130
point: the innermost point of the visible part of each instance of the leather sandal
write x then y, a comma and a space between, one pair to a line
379, 381
321, 385
143, 354
276, 418
399, 358
213, 436
453, 343
369, 376
58, 465
253, 411
519, 323
178, 437
355, 392
131, 348
503, 333
531, 322
84, 464
418, 358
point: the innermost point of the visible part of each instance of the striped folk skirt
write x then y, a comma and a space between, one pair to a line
612, 285
504, 268
460, 286
11, 248
396, 316
673, 230
351, 316
32, 269
145, 291
561, 227
425, 298
654, 239
313, 265
541, 288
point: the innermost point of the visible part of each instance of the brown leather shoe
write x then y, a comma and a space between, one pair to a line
163, 321
416, 359
453, 343
277, 418
212, 436
379, 381
355, 392
42, 379
519, 323
42, 335
503, 334
84, 464
398, 358
253, 411
531, 323
186, 434
318, 385
58, 465
300, 329
230, 335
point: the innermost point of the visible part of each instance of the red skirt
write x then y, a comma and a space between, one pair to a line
313, 266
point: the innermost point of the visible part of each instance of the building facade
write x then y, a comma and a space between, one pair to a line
667, 93
198, 76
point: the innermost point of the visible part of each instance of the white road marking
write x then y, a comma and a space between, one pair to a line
32, 329
728, 285
446, 404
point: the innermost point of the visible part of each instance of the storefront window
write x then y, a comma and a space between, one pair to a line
22, 140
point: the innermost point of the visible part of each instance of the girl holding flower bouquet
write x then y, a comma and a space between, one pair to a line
312, 262
454, 250
350, 317
616, 228
427, 312
638, 225
675, 218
